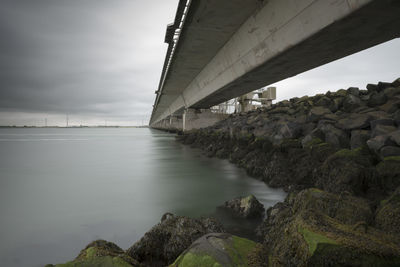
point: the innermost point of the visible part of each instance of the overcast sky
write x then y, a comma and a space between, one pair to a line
101, 60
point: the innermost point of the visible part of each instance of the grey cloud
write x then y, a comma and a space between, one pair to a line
83, 57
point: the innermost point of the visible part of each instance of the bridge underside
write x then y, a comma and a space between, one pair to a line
276, 40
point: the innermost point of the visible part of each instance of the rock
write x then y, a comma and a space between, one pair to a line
395, 137
344, 207
388, 214
346, 170
335, 136
217, 249
351, 102
388, 172
376, 143
389, 151
317, 112
396, 117
163, 243
386, 121
308, 230
359, 138
353, 91
380, 129
392, 91
377, 99
354, 121
324, 102
396, 83
101, 253
391, 106
245, 207
372, 88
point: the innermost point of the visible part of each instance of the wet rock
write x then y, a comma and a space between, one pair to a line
354, 121
376, 143
245, 207
359, 138
217, 249
163, 243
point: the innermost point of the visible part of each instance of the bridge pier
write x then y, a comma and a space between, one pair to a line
200, 118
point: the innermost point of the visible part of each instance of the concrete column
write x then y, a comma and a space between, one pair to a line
196, 118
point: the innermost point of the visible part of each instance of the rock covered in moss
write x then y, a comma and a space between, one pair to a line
162, 244
316, 228
388, 214
217, 249
101, 253
245, 207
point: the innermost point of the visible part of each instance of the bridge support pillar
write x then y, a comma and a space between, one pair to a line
200, 118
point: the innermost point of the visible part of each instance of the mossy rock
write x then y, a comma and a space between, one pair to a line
101, 253
217, 250
316, 228
388, 214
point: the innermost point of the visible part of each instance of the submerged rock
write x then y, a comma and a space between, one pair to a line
245, 207
217, 249
163, 243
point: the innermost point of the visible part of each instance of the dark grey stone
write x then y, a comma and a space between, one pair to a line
382, 130
386, 121
354, 121
351, 102
353, 91
377, 99
359, 138
388, 151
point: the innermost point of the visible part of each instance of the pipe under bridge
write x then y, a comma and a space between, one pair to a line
221, 49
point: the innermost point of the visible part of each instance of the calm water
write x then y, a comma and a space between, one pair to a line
62, 188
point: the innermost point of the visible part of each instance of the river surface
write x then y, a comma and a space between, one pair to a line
61, 188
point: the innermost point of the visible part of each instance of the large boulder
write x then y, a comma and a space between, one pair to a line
354, 121
100, 253
347, 170
309, 229
165, 241
245, 207
217, 249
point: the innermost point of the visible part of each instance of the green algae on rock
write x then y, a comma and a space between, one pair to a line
216, 249
100, 253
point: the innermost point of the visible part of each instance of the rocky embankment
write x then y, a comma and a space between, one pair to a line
336, 154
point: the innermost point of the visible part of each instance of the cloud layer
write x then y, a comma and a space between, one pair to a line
92, 59
101, 60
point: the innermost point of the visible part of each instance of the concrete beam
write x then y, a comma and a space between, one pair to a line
281, 39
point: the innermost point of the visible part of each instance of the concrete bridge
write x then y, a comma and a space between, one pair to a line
221, 49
